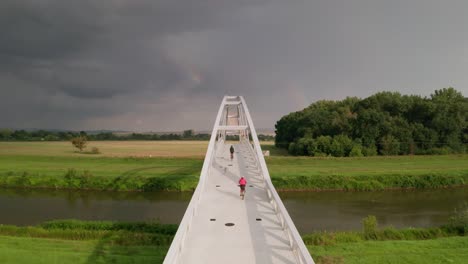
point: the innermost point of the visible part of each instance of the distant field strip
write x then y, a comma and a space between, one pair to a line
108, 148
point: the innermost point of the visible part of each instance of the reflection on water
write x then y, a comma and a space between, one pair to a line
29, 207
345, 210
309, 210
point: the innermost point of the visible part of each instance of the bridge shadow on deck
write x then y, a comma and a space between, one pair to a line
268, 243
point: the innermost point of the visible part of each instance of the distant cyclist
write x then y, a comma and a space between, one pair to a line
242, 183
232, 152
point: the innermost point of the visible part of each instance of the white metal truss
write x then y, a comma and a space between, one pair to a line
233, 118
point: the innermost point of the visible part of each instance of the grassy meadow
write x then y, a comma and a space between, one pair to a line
108, 149
368, 173
176, 165
23, 250
73, 241
440, 250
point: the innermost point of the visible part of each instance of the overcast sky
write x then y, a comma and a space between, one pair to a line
164, 65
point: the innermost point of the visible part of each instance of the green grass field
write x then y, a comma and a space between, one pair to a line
103, 173
440, 250
24, 250
108, 149
176, 165
21, 250
368, 173
72, 241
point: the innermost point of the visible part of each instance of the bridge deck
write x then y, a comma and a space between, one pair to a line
249, 240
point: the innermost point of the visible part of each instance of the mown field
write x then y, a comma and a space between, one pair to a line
444, 244
175, 165
72, 241
108, 149
440, 250
368, 173
21, 250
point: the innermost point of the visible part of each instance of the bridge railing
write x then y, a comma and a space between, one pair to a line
295, 240
177, 244
300, 251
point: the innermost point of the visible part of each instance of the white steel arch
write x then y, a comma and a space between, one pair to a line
263, 231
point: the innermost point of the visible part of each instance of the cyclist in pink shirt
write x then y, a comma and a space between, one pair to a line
242, 183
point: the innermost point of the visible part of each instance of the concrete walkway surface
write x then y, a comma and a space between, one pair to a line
255, 237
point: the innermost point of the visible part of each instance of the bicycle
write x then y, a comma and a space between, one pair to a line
242, 191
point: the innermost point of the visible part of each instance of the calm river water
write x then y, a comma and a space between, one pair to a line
309, 210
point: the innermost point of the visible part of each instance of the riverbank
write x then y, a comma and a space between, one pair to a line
72, 241
440, 250
369, 173
100, 173
132, 167
447, 243
181, 174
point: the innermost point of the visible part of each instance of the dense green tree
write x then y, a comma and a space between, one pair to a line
389, 145
287, 129
323, 146
449, 116
356, 151
341, 146
188, 134
5, 134
387, 123
368, 126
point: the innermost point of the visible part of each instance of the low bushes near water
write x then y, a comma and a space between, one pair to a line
154, 234
73, 241
74, 179
446, 243
117, 233
100, 173
457, 226
459, 222
370, 182
182, 174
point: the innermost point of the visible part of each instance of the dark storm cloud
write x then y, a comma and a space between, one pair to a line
165, 64
85, 48
62, 61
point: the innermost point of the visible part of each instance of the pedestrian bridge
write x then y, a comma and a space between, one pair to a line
218, 226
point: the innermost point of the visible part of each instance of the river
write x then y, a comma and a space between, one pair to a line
310, 211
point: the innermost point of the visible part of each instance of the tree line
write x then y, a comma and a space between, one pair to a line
44, 135
386, 123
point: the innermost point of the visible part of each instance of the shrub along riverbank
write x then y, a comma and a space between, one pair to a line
126, 166
100, 173
73, 241
368, 174
181, 174
448, 243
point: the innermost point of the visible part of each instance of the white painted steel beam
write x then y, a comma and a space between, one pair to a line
263, 231
233, 103
231, 128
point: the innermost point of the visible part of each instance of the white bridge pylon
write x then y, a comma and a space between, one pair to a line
218, 226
